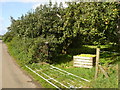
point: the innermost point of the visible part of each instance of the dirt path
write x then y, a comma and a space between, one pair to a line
12, 76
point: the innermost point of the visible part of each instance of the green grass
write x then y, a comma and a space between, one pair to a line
108, 61
14, 52
65, 79
111, 82
101, 82
42, 82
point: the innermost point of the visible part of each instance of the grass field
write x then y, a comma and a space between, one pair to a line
101, 82
108, 60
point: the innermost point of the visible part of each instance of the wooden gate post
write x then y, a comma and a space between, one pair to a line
97, 61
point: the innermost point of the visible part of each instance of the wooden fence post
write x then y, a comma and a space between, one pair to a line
97, 61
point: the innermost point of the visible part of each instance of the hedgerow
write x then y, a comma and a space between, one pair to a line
50, 30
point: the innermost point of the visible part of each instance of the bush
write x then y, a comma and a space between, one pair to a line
64, 29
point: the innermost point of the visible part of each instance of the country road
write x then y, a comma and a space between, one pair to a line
12, 76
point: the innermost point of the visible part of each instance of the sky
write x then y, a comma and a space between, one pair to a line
16, 8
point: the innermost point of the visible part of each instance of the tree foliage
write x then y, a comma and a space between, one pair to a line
63, 28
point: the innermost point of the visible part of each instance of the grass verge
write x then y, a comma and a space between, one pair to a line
108, 60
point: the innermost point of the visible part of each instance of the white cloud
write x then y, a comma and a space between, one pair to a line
40, 1
53, 1
36, 5
1, 18
7, 0
26, 1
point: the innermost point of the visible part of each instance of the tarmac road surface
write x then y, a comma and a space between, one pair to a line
11, 76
